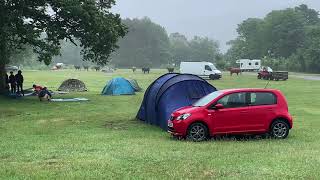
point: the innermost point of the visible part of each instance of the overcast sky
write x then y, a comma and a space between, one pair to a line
216, 19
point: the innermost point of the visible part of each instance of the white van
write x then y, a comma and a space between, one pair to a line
249, 65
203, 69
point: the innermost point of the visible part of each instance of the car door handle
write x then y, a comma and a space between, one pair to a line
243, 112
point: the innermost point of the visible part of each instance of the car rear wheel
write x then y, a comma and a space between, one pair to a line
279, 129
197, 132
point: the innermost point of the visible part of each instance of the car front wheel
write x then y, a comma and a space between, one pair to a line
279, 129
212, 77
197, 132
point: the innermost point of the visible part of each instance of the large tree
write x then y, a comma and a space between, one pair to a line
42, 24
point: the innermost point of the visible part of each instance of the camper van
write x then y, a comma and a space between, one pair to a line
203, 69
249, 65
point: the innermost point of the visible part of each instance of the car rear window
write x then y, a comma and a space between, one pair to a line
262, 98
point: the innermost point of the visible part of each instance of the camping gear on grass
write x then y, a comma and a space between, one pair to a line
118, 86
72, 85
135, 85
169, 93
69, 100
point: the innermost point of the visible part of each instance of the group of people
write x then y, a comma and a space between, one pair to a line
15, 86
15, 82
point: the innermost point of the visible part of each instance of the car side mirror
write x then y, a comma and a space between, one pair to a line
218, 106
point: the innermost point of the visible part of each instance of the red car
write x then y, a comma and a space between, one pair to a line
233, 111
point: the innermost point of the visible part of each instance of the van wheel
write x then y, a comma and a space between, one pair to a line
279, 129
212, 77
197, 132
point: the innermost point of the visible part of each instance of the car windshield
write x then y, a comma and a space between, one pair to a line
213, 67
207, 99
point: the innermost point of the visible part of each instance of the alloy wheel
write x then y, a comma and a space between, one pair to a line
280, 130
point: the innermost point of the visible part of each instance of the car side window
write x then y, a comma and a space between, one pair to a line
234, 100
262, 98
208, 68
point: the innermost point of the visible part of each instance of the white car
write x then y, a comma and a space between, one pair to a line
12, 68
203, 69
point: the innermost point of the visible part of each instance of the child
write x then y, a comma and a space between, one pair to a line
12, 81
19, 79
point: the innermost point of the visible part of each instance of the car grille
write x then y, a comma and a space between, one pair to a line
171, 129
171, 118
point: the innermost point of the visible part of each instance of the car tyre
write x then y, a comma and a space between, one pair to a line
197, 132
212, 77
279, 129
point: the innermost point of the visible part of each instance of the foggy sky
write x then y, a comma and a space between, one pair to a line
216, 19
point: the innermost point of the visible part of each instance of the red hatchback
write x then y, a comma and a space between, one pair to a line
233, 111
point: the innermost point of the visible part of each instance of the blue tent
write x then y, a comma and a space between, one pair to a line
170, 92
118, 86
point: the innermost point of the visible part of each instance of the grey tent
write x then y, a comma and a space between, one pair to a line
73, 85
135, 85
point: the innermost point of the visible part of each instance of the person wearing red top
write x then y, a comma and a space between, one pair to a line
37, 88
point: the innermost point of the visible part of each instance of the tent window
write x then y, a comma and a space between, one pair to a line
257, 63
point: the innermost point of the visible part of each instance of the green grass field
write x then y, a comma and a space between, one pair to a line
101, 139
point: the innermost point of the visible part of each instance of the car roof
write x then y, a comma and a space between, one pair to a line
248, 90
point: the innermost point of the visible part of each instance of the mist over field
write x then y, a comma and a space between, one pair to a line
212, 18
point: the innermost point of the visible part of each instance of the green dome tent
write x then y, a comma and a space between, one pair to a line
73, 85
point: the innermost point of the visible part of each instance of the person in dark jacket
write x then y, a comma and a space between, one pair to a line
19, 79
13, 83
7, 81
44, 94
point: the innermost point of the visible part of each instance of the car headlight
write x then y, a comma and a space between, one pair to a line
183, 116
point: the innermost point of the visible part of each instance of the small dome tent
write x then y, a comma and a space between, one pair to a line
118, 86
72, 85
170, 92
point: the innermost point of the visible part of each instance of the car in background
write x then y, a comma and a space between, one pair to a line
233, 111
267, 73
11, 68
205, 70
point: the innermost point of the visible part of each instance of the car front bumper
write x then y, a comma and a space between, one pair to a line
177, 128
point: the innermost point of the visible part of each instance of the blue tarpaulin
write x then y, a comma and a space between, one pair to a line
169, 93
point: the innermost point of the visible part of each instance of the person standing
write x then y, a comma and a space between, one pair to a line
19, 79
12, 81
7, 81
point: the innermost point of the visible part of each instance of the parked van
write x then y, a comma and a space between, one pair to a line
249, 65
205, 70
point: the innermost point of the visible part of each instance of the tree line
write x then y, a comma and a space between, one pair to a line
286, 39
148, 44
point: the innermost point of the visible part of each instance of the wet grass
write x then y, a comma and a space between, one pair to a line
100, 139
